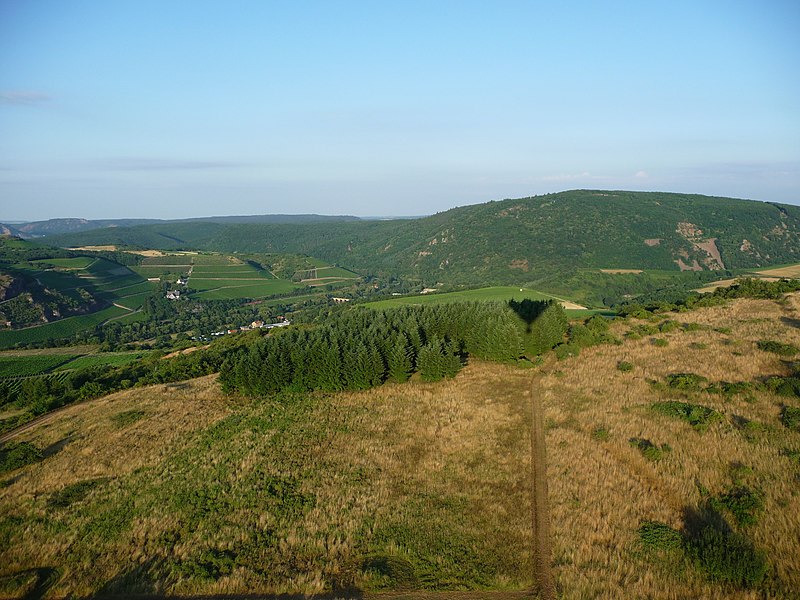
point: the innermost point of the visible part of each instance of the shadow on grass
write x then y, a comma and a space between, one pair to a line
724, 554
43, 579
791, 322
146, 582
58, 446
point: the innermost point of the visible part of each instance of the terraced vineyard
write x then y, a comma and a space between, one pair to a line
26, 366
60, 329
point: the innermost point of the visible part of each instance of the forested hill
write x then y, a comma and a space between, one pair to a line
51, 227
523, 240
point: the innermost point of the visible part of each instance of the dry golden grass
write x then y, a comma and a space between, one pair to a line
434, 477
601, 490
792, 271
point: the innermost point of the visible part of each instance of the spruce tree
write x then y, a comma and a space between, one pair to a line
400, 360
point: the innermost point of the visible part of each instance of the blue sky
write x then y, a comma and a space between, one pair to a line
172, 109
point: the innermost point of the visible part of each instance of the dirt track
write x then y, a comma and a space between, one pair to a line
541, 517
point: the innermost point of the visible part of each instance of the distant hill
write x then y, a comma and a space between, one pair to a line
526, 240
51, 227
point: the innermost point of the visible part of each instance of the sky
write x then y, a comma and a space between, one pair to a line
171, 109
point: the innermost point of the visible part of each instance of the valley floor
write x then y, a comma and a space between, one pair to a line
177, 489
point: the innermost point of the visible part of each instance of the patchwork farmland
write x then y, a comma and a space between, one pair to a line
218, 276
119, 290
104, 279
215, 277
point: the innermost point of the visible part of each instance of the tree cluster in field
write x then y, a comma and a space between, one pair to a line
359, 349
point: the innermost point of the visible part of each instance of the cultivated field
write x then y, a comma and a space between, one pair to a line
105, 280
326, 275
176, 489
59, 329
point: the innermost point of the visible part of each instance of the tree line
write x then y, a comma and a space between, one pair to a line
359, 349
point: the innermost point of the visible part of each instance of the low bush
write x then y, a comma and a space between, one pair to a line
742, 389
660, 536
685, 381
601, 434
727, 557
15, 456
790, 417
624, 366
660, 342
566, 351
784, 386
649, 450
645, 329
791, 454
669, 325
698, 416
778, 348
742, 502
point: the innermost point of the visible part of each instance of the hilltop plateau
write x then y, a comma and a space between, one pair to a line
672, 468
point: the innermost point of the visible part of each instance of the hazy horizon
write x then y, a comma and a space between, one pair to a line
170, 110
334, 214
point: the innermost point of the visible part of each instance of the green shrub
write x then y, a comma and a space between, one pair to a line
660, 342
698, 416
649, 450
601, 434
692, 327
698, 346
778, 348
750, 429
685, 381
390, 571
790, 417
645, 329
727, 557
15, 456
624, 366
659, 536
791, 454
668, 325
742, 502
566, 351
208, 565
784, 386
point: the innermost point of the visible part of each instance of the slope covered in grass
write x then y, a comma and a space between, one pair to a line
179, 489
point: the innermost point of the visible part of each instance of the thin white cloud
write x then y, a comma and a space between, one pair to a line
641, 175
23, 98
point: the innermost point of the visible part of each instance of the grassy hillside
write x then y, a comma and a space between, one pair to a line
177, 489
528, 240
